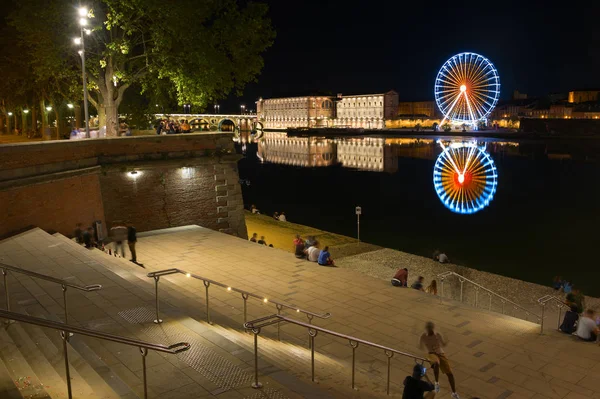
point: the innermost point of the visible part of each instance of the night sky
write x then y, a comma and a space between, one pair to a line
350, 46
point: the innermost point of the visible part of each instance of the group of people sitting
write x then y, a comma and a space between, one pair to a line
167, 126
309, 249
260, 241
580, 323
277, 216
400, 279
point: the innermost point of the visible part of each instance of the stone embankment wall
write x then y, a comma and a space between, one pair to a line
150, 182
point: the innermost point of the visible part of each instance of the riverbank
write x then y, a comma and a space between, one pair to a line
382, 263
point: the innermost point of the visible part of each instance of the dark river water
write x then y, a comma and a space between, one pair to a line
542, 220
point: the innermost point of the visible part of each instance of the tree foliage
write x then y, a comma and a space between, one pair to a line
191, 51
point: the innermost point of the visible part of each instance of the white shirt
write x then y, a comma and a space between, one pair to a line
313, 254
282, 218
443, 258
585, 327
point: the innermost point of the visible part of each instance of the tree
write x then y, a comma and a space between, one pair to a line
193, 51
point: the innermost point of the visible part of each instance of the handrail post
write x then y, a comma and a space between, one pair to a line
256, 384
559, 314
389, 355
207, 284
279, 307
309, 317
490, 301
462, 282
476, 295
144, 353
65, 338
503, 302
542, 320
312, 333
64, 290
354, 345
156, 278
4, 276
245, 298
442, 293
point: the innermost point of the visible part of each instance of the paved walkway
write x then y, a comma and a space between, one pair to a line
494, 356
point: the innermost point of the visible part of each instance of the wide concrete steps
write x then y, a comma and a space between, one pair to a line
214, 366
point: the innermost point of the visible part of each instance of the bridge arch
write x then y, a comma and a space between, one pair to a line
227, 125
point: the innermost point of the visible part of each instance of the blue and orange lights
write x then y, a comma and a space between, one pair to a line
464, 177
467, 89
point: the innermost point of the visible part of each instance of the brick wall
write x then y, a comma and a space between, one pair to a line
180, 181
53, 205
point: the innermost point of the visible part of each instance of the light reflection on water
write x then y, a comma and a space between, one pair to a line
542, 221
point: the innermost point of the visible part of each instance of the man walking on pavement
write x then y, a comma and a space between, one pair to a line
433, 342
131, 240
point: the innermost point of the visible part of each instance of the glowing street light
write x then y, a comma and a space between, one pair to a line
10, 114
48, 108
84, 13
242, 108
217, 107
71, 106
25, 111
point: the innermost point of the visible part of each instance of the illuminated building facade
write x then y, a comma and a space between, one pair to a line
308, 111
418, 110
368, 153
583, 96
367, 111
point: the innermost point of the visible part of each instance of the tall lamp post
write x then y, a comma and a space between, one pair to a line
217, 106
83, 21
242, 108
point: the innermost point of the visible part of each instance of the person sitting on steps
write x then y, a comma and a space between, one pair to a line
587, 329
325, 258
415, 387
400, 279
418, 284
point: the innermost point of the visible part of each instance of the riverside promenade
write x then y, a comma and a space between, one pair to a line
494, 356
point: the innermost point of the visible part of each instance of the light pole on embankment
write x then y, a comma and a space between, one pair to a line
84, 13
358, 212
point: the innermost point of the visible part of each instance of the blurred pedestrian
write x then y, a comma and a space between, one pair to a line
119, 235
131, 241
432, 288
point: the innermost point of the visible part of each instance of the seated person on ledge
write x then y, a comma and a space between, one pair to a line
587, 329
325, 258
569, 321
400, 279
313, 253
299, 249
416, 387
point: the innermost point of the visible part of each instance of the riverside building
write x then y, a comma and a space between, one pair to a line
368, 111
307, 111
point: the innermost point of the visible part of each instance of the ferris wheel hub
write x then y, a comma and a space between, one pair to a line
463, 88
461, 178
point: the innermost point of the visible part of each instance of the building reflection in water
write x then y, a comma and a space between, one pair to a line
376, 154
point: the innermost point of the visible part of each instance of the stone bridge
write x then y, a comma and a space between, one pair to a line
218, 122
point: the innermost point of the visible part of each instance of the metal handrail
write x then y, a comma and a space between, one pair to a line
67, 330
491, 293
245, 295
560, 304
256, 325
64, 284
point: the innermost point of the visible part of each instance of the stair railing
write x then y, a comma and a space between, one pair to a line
560, 305
490, 293
64, 284
245, 295
66, 331
255, 327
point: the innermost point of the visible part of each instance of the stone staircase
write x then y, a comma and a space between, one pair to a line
488, 351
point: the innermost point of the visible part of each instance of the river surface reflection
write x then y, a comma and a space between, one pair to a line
542, 220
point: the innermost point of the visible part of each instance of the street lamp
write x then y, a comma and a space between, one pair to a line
70, 105
48, 108
242, 108
83, 21
217, 107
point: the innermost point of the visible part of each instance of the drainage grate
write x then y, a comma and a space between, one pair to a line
201, 358
267, 393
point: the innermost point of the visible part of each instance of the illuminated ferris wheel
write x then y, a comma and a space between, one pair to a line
465, 177
467, 89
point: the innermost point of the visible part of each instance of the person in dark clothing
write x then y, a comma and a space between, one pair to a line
78, 234
299, 248
262, 241
159, 127
418, 285
131, 240
88, 237
415, 387
568, 323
